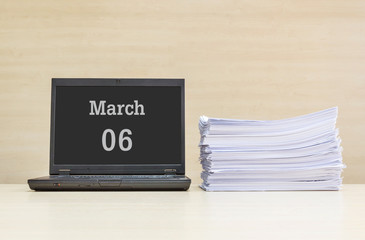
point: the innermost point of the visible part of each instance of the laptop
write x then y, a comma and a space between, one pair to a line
116, 134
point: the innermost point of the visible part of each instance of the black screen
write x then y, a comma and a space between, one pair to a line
117, 125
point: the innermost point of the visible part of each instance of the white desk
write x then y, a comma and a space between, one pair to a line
195, 214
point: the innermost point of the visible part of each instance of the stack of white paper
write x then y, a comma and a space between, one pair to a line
301, 153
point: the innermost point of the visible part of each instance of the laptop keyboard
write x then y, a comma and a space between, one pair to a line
120, 177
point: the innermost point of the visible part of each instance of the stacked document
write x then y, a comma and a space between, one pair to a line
300, 153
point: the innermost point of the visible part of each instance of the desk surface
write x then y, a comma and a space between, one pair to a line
182, 215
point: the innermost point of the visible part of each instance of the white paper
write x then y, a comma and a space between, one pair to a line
300, 153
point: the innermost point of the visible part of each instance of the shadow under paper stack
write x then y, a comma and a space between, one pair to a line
301, 153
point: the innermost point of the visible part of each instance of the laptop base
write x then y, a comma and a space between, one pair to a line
110, 182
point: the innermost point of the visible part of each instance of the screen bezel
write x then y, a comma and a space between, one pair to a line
116, 168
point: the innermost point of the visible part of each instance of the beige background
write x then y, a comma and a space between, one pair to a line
241, 59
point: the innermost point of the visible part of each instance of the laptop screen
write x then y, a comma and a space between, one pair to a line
117, 125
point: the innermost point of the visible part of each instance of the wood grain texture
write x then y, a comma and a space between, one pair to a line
241, 59
195, 214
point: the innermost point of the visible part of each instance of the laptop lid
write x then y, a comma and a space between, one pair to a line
117, 126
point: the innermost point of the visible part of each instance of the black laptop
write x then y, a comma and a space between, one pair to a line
116, 134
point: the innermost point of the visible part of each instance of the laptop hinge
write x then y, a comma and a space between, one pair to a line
170, 171
64, 171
